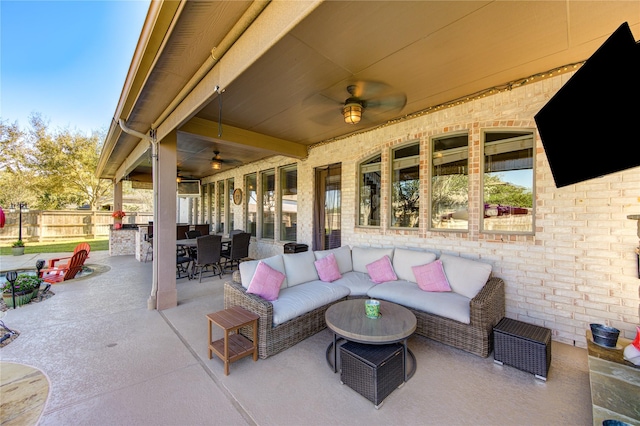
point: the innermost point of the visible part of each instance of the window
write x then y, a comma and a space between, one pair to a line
230, 212
508, 181
251, 200
268, 186
369, 184
289, 203
220, 207
450, 182
405, 186
208, 204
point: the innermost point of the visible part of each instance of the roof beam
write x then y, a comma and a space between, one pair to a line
244, 138
132, 160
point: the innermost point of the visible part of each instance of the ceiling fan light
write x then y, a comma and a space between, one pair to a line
216, 164
352, 113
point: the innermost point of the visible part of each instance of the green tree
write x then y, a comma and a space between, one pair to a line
56, 169
14, 172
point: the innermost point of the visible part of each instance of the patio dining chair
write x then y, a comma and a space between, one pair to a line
66, 272
227, 243
194, 233
183, 262
238, 249
208, 256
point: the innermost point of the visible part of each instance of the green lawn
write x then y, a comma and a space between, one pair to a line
62, 247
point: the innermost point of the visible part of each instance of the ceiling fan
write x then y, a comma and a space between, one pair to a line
366, 98
217, 161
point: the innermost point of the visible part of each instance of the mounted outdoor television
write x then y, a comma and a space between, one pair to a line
189, 188
589, 128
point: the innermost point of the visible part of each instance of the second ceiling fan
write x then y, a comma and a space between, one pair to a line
217, 161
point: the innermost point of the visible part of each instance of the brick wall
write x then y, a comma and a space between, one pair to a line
580, 265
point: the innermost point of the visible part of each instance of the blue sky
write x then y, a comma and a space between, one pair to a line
66, 60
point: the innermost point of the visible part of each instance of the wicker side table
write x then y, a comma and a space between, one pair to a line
526, 347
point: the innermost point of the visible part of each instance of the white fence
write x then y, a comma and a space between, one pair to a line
53, 225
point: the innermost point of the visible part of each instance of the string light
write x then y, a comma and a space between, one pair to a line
463, 99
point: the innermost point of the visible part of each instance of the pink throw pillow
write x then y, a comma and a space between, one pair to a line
266, 282
327, 268
381, 270
431, 277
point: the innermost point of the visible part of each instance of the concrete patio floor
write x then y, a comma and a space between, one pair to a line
111, 361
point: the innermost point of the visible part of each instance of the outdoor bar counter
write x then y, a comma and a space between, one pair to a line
129, 240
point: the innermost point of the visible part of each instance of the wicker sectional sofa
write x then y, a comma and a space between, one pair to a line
463, 318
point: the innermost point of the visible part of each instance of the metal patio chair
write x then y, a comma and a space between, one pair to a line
238, 249
208, 256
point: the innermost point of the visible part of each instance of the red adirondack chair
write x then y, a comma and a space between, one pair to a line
68, 271
81, 246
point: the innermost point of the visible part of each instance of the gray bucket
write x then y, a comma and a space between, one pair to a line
604, 335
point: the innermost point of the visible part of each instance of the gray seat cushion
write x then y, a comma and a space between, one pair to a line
445, 304
302, 298
357, 282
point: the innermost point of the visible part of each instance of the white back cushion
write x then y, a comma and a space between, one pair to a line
405, 259
466, 276
248, 269
362, 256
300, 267
342, 255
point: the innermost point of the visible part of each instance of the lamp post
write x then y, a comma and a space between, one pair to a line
22, 207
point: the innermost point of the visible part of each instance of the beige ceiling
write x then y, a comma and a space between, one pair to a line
285, 78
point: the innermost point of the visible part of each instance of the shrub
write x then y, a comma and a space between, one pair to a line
24, 283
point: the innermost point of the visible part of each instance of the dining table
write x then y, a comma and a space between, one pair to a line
189, 245
191, 242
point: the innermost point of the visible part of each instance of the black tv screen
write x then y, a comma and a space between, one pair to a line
589, 128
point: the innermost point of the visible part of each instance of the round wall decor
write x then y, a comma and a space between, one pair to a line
237, 196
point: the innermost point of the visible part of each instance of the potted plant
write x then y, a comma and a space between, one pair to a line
24, 288
118, 215
17, 248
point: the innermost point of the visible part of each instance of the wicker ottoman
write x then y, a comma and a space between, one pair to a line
373, 371
524, 346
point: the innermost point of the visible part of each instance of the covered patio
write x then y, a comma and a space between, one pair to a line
241, 96
110, 361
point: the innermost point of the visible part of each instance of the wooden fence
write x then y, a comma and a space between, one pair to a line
56, 225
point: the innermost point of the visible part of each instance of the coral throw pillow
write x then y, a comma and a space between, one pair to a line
266, 282
431, 277
381, 270
327, 268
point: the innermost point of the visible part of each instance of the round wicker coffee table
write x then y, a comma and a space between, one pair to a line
347, 321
